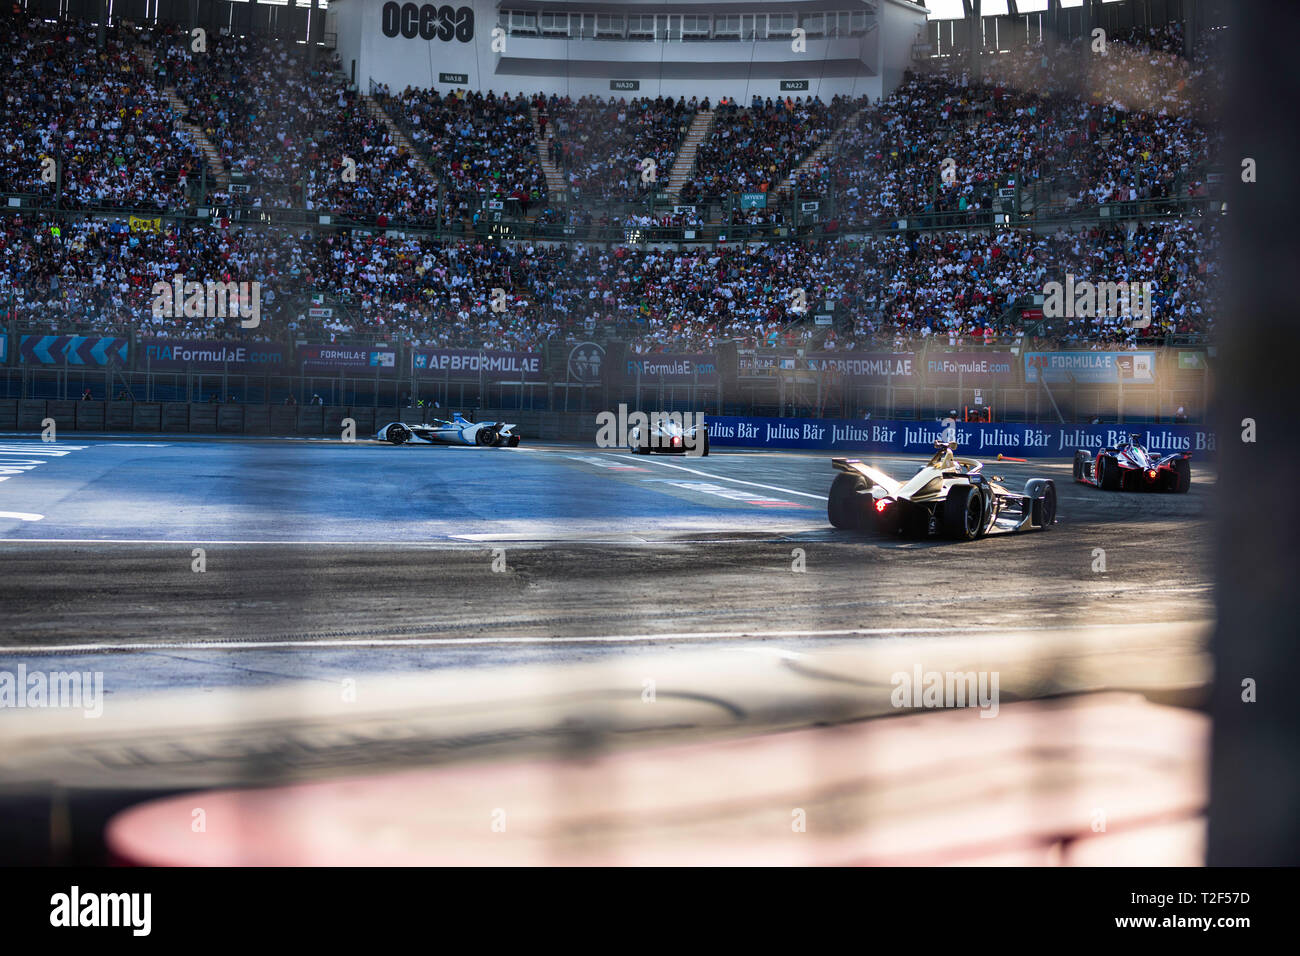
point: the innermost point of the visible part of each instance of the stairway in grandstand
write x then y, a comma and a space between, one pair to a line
813, 159
555, 184
402, 141
211, 155
684, 165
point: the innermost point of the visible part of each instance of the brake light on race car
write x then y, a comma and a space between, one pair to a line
1151, 473
676, 441
882, 504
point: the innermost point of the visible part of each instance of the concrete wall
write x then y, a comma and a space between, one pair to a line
528, 64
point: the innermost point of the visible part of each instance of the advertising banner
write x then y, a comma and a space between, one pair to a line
467, 365
205, 355
332, 358
1091, 368
72, 349
977, 440
876, 367
971, 368
4, 348
672, 369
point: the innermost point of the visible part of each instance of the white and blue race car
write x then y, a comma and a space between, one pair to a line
458, 431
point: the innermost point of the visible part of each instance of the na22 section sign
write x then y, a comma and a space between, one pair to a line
974, 439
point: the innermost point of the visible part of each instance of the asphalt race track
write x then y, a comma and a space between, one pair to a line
320, 554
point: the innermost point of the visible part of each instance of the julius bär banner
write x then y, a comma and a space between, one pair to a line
974, 439
669, 369
469, 365
332, 358
210, 355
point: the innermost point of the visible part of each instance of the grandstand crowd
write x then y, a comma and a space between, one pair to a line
290, 132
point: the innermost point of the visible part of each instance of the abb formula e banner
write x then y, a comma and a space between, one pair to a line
72, 349
1091, 368
470, 365
210, 355
667, 369
866, 366
332, 358
974, 439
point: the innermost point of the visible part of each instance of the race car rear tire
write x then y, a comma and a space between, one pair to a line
1044, 488
963, 513
705, 452
1108, 476
485, 436
1080, 461
1182, 476
398, 434
850, 494
640, 449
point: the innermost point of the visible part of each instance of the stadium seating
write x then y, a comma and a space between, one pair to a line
1072, 129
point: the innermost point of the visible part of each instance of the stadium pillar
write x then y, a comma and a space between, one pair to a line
100, 34
976, 39
312, 29
1191, 21
1255, 765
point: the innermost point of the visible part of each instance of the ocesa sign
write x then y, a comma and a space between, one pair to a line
428, 22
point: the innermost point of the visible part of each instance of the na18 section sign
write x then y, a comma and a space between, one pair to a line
427, 21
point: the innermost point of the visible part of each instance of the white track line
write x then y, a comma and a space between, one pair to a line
717, 477
218, 645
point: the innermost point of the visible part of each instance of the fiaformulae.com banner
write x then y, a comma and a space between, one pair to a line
915, 438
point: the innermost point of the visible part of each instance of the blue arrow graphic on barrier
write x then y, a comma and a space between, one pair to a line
41, 350
72, 351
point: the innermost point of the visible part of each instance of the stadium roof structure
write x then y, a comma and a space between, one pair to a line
961, 9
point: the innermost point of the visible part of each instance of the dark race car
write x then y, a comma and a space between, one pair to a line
948, 496
1129, 466
668, 435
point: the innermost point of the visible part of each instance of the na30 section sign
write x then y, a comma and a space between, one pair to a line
975, 439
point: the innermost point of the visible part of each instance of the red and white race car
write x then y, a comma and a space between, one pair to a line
1129, 466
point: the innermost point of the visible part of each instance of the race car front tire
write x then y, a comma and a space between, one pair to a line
850, 495
1081, 459
398, 434
963, 513
1108, 476
1044, 488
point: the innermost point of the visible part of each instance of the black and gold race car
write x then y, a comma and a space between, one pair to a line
948, 496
